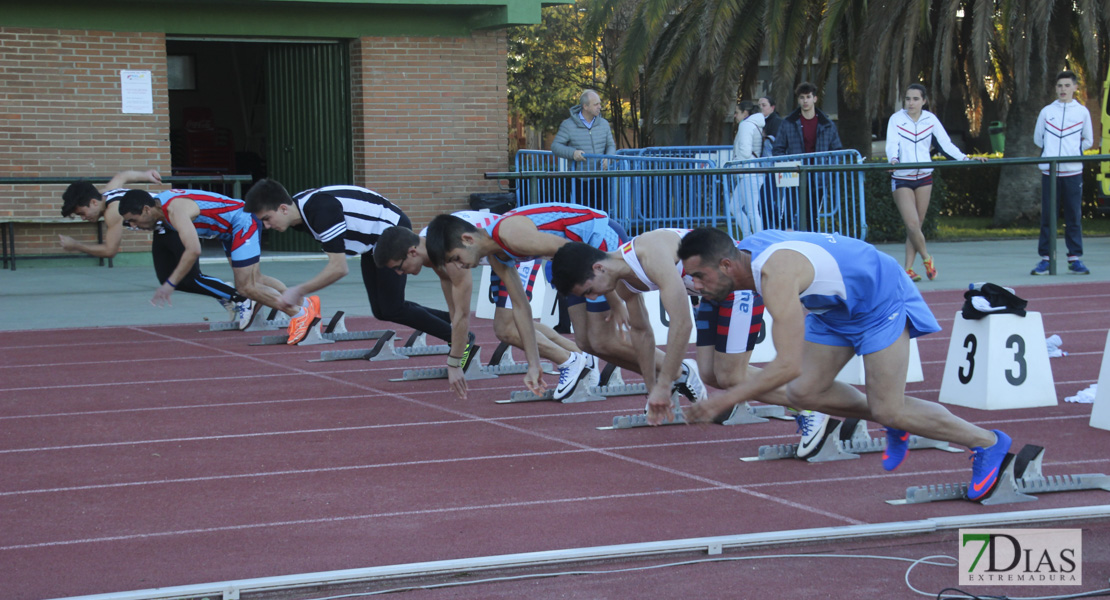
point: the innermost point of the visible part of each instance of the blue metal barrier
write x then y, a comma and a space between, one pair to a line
638, 202
718, 154
834, 200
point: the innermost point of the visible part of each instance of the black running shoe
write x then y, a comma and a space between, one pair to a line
469, 352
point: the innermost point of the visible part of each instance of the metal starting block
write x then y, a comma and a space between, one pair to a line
384, 349
272, 322
585, 391
851, 440
746, 414
1021, 477
335, 331
502, 364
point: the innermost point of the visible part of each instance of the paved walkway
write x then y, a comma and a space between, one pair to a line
44, 294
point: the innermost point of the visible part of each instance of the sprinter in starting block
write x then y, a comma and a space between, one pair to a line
404, 251
538, 231
859, 302
726, 334
347, 220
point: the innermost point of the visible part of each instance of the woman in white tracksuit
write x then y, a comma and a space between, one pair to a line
746, 146
909, 136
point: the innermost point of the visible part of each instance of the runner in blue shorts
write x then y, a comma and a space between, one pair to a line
196, 214
859, 302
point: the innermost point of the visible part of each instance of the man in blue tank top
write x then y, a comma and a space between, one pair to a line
859, 302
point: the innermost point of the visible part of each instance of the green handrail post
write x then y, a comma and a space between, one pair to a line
1052, 217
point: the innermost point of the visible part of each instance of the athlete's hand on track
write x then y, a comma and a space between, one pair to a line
162, 295
659, 406
533, 380
457, 381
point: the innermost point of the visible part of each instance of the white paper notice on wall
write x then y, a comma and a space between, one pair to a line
136, 92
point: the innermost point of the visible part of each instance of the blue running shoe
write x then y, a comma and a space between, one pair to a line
985, 465
1041, 268
897, 446
1076, 266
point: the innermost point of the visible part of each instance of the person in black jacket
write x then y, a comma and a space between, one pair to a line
805, 131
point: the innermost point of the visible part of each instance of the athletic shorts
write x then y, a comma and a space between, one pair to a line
613, 240
912, 184
499, 294
877, 329
731, 326
244, 248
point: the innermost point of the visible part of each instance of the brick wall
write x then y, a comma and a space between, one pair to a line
60, 117
429, 119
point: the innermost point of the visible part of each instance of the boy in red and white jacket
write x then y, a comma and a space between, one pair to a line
1063, 129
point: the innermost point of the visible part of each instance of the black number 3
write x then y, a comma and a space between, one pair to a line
970, 343
1019, 358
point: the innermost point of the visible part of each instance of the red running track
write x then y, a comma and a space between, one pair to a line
144, 457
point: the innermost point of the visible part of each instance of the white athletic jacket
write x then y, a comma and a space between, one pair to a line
1063, 130
909, 142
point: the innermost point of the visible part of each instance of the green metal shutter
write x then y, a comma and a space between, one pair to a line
308, 90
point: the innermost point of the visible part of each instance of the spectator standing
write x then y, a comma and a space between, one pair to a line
805, 131
770, 131
586, 132
909, 138
1063, 129
747, 145
772, 122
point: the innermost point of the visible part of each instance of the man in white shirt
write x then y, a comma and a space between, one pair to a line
1063, 129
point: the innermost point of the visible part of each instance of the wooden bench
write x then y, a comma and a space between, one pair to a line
7, 237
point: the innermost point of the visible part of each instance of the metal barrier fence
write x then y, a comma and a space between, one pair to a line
718, 154
678, 198
803, 170
834, 200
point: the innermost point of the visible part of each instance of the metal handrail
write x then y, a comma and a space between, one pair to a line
1052, 161
237, 181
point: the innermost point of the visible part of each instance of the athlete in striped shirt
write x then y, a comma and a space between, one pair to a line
195, 214
538, 231
348, 221
90, 204
404, 251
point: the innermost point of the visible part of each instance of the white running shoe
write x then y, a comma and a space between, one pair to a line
245, 312
812, 427
689, 383
570, 374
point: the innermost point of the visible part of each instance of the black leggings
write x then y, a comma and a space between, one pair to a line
166, 249
386, 291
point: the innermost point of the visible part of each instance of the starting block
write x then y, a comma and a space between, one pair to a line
1100, 411
1021, 477
272, 322
385, 349
844, 441
599, 386
999, 361
502, 363
334, 331
746, 414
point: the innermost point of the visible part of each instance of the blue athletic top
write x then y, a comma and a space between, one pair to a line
220, 217
569, 221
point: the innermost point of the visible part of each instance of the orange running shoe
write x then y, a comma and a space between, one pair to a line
300, 326
913, 276
930, 269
